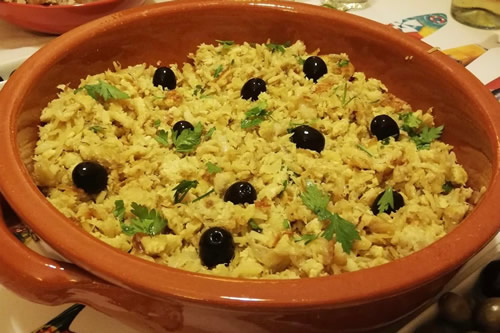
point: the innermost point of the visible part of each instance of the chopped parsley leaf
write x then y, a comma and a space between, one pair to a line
447, 187
363, 148
203, 195
410, 123
317, 201
225, 43
308, 238
156, 123
188, 139
286, 224
300, 60
343, 62
386, 201
96, 128
213, 168
255, 116
218, 70
209, 133
278, 47
162, 137
103, 90
285, 185
148, 222
254, 226
119, 211
198, 90
182, 189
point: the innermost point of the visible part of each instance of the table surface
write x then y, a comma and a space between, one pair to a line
20, 316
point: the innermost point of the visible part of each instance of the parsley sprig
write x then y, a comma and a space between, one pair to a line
145, 221
428, 134
254, 226
162, 137
188, 139
386, 200
447, 187
182, 189
255, 116
423, 138
103, 90
317, 201
96, 128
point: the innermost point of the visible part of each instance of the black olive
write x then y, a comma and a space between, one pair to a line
398, 203
164, 77
216, 247
489, 279
383, 127
90, 177
240, 193
488, 314
308, 138
454, 308
181, 126
252, 89
314, 68
1, 79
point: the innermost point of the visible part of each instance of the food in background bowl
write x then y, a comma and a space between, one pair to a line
252, 160
50, 2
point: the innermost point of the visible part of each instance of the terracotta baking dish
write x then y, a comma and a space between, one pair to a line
160, 299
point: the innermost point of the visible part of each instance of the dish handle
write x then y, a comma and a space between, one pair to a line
47, 281
33, 276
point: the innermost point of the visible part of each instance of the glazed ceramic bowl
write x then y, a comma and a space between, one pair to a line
59, 19
160, 299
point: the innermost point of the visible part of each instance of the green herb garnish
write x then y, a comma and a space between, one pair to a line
218, 70
286, 224
345, 232
285, 185
156, 123
254, 226
96, 128
278, 47
363, 148
300, 60
188, 139
119, 211
209, 133
213, 168
162, 137
255, 116
386, 201
148, 222
182, 189
343, 62
204, 195
103, 90
447, 187
308, 238
428, 134
198, 89
344, 100
410, 123
225, 43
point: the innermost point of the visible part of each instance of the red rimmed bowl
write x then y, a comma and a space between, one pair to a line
155, 298
58, 19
